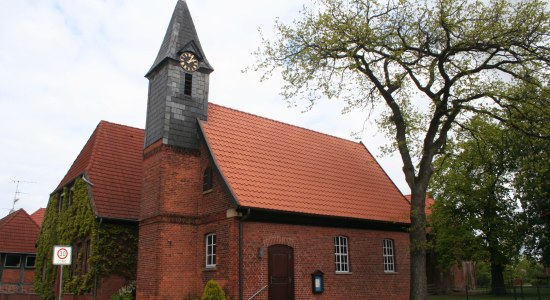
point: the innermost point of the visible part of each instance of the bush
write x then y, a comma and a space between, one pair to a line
213, 291
127, 292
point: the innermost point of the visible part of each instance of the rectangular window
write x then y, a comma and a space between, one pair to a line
12, 261
188, 84
387, 251
60, 202
86, 257
341, 253
30, 261
211, 250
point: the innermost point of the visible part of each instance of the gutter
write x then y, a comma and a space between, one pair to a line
241, 244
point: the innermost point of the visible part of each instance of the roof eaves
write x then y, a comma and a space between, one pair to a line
226, 184
303, 217
123, 220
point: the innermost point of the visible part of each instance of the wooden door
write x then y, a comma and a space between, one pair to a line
281, 273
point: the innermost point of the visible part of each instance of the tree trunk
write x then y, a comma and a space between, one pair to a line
419, 282
497, 279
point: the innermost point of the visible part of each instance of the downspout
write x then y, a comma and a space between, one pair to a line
241, 242
94, 294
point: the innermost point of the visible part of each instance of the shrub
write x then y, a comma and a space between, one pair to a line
127, 292
213, 291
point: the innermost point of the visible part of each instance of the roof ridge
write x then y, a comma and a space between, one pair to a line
121, 125
7, 219
287, 124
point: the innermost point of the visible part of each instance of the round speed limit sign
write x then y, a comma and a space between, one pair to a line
62, 255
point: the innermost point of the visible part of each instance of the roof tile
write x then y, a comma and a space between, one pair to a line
277, 166
18, 233
112, 160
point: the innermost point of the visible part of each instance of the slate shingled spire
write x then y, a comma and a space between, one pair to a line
177, 98
181, 35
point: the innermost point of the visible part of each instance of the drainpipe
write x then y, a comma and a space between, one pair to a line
241, 275
94, 294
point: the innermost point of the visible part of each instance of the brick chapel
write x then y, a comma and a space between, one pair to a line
267, 209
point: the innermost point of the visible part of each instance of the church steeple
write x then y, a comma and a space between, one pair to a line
178, 85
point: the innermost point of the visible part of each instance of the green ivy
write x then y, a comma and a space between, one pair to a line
113, 247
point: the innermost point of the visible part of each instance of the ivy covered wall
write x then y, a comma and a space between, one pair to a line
100, 247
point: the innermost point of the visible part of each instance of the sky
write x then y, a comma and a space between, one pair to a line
66, 65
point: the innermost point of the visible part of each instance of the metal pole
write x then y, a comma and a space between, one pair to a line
61, 283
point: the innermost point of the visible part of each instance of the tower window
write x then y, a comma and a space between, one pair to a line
188, 84
207, 180
210, 250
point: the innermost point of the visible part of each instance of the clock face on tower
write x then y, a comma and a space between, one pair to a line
189, 62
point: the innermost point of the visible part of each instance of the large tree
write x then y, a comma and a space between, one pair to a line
476, 206
431, 64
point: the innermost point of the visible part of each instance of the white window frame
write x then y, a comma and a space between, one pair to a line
389, 255
210, 243
341, 256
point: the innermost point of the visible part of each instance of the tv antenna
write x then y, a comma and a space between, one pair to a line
17, 192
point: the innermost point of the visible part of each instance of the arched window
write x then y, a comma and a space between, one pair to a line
207, 179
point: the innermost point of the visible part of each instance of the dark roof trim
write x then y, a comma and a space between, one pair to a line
118, 220
282, 217
219, 171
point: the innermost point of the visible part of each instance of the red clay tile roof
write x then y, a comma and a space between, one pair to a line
277, 166
18, 233
429, 202
38, 216
111, 160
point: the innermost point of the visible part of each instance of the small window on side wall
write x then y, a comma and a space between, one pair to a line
207, 180
341, 254
210, 250
389, 257
12, 261
30, 261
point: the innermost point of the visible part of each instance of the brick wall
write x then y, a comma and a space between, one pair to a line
175, 217
17, 280
314, 250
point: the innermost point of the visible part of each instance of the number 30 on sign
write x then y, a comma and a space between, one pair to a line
62, 255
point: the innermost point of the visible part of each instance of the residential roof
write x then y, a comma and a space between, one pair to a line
38, 216
18, 233
276, 166
111, 161
429, 203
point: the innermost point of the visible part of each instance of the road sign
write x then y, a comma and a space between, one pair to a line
62, 255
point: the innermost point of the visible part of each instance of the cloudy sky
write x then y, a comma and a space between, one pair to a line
66, 65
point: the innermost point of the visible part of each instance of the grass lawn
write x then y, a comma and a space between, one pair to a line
529, 293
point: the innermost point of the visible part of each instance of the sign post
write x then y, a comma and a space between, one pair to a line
61, 257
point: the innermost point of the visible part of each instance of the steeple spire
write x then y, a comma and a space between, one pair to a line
178, 85
180, 36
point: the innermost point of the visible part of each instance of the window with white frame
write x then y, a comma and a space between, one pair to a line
210, 250
388, 253
341, 253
